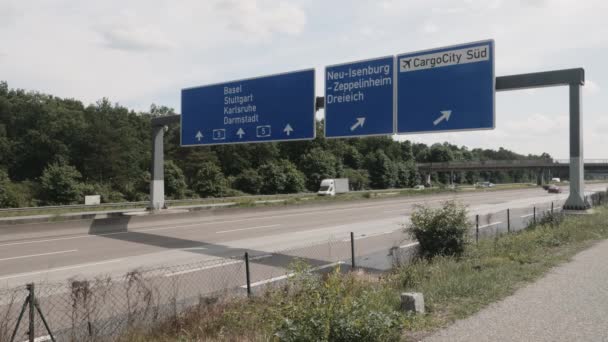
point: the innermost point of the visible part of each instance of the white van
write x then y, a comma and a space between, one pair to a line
333, 186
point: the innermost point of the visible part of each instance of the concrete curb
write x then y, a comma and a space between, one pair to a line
16, 220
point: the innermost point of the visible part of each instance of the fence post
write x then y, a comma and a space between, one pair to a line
247, 274
508, 220
352, 249
551, 207
476, 229
32, 298
534, 212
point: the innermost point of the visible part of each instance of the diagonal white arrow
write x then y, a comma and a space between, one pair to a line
445, 115
359, 123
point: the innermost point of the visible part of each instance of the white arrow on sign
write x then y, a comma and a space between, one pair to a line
445, 115
240, 133
288, 129
359, 123
199, 136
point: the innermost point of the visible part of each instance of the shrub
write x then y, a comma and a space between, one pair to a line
338, 308
9, 198
60, 184
210, 181
440, 231
175, 181
248, 181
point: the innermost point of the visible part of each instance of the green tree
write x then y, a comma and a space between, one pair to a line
317, 165
382, 170
249, 181
210, 181
358, 179
175, 182
295, 180
8, 197
403, 176
273, 178
60, 184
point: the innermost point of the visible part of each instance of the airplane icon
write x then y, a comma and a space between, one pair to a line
406, 63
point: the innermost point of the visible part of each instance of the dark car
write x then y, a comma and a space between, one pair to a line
554, 189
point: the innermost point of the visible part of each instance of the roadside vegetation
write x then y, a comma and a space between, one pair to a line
457, 280
54, 151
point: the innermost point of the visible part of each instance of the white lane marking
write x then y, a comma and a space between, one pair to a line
59, 269
489, 225
192, 248
410, 245
249, 228
526, 215
394, 210
37, 255
289, 275
172, 274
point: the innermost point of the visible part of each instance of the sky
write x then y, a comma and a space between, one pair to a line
139, 52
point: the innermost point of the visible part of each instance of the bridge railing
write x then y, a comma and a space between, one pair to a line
506, 163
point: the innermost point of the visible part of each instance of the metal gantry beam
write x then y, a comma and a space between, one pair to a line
573, 78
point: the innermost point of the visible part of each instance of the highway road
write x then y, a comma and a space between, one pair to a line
53, 252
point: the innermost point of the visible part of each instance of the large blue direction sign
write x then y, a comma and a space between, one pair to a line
271, 108
359, 98
446, 89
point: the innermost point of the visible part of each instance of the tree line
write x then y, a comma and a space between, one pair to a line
56, 151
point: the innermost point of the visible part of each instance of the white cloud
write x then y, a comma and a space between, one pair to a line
135, 39
260, 21
591, 87
538, 125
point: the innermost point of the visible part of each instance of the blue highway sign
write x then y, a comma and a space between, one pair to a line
272, 108
359, 98
446, 89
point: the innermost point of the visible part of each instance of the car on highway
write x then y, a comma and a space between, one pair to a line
485, 185
419, 187
554, 189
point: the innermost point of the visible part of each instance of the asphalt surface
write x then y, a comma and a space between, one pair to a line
54, 252
568, 304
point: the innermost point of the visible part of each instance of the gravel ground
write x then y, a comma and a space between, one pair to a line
569, 304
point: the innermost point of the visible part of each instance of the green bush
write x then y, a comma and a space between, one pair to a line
9, 195
175, 181
339, 308
440, 231
60, 184
210, 181
248, 181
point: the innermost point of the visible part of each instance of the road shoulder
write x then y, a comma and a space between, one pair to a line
570, 303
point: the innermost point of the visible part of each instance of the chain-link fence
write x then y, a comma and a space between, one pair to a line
104, 308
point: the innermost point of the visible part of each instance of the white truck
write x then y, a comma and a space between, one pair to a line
333, 186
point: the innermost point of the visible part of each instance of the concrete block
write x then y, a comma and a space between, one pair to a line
412, 302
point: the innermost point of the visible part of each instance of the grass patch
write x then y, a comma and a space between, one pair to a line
455, 288
363, 307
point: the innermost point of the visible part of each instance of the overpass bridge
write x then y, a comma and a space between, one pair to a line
508, 165
542, 167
